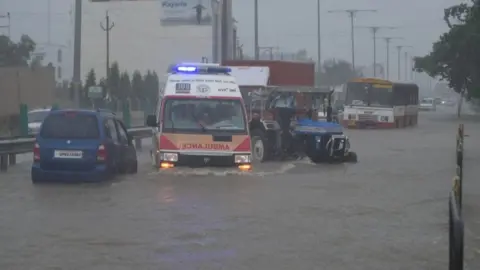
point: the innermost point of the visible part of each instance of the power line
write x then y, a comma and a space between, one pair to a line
374, 30
352, 13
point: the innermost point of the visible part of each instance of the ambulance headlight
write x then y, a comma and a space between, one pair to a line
240, 159
169, 157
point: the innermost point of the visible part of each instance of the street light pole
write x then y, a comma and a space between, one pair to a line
77, 51
319, 44
399, 50
387, 42
257, 46
374, 30
352, 13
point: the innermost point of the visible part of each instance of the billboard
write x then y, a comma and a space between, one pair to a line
181, 12
186, 12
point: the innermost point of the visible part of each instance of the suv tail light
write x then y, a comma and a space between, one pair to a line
102, 153
36, 152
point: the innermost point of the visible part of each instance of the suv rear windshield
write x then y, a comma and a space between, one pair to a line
70, 125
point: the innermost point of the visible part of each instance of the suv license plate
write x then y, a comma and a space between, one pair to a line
68, 154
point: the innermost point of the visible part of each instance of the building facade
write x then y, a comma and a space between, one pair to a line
151, 35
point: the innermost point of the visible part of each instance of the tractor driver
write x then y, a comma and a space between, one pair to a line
285, 109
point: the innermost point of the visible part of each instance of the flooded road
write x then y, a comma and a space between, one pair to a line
389, 211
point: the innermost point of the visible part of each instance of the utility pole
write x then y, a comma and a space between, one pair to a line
216, 5
406, 65
49, 21
388, 40
352, 13
319, 40
225, 30
399, 51
77, 52
107, 28
374, 30
8, 25
257, 46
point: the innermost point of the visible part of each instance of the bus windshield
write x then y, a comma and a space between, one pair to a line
368, 94
203, 115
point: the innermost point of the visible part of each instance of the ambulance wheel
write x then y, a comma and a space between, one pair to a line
351, 157
259, 150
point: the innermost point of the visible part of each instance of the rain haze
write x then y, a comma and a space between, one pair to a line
265, 162
291, 27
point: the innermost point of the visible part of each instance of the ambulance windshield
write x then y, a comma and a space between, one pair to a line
203, 115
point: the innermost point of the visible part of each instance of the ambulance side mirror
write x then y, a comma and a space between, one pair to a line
152, 121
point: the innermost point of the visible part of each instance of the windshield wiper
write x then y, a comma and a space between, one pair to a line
204, 129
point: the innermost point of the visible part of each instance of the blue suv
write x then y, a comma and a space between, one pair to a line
82, 145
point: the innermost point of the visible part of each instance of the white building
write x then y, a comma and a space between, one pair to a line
148, 35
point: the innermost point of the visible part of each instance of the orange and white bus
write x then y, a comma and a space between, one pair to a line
201, 120
376, 103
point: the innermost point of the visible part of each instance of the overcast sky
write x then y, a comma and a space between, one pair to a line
286, 24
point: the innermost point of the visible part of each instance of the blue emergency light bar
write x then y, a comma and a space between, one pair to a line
188, 69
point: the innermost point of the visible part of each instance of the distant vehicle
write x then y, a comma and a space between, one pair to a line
448, 102
35, 119
83, 145
428, 104
376, 103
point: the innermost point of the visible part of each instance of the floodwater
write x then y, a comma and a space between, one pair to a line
389, 211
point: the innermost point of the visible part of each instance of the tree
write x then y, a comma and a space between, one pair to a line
125, 86
16, 54
102, 83
137, 84
336, 72
91, 79
151, 85
455, 56
155, 85
113, 85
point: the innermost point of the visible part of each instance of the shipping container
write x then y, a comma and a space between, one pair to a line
282, 73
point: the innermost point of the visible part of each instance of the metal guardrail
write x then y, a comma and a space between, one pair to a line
455, 220
10, 148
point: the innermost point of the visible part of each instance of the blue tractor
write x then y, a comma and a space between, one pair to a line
296, 123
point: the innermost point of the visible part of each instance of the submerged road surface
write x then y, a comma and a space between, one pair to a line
389, 211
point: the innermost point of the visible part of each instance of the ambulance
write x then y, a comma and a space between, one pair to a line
200, 120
